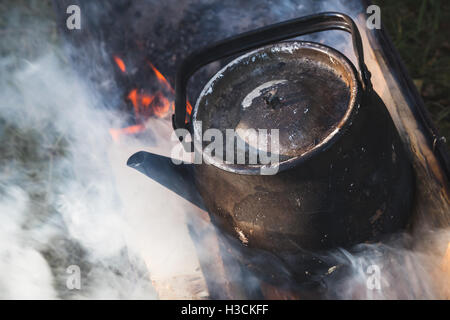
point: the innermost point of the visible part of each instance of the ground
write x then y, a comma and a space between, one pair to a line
419, 30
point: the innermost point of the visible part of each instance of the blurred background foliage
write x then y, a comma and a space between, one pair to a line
420, 30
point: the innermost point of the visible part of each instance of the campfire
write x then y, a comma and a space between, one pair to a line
159, 104
144, 59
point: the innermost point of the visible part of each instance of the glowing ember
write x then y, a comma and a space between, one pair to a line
132, 96
120, 64
146, 105
189, 108
116, 133
146, 100
163, 107
141, 104
161, 78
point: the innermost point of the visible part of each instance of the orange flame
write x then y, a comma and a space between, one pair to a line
164, 81
120, 64
161, 78
164, 106
145, 105
116, 133
146, 100
141, 102
132, 96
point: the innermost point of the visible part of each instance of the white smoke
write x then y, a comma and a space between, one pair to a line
67, 197
402, 268
61, 160
24, 271
58, 198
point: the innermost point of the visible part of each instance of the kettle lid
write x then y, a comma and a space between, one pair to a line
304, 89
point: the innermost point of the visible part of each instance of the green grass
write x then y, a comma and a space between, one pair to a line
420, 31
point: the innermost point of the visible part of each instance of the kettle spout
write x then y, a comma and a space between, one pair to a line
178, 178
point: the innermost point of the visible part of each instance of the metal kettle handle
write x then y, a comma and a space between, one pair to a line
260, 37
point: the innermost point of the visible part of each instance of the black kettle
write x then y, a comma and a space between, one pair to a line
343, 176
